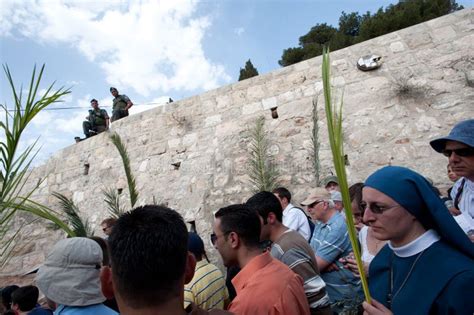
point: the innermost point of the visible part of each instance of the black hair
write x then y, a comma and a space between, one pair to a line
103, 245
283, 193
265, 202
148, 252
242, 220
355, 193
25, 297
93, 100
7, 295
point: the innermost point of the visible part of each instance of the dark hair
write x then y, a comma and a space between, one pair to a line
103, 245
265, 202
283, 193
355, 192
242, 220
93, 100
109, 221
7, 295
26, 297
148, 252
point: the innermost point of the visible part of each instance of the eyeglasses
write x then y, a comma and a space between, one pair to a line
377, 209
459, 152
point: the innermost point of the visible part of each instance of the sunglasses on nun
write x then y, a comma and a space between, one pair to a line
459, 152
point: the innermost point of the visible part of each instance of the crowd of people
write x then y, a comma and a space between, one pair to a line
417, 249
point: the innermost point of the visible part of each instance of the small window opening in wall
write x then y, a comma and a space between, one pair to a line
86, 168
119, 191
346, 159
176, 165
274, 112
192, 226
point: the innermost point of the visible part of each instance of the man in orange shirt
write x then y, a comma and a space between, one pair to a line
264, 285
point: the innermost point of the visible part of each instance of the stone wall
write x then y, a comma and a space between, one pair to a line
390, 115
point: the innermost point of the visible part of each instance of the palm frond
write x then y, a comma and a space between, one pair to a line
262, 172
80, 227
14, 165
315, 142
132, 186
112, 199
334, 122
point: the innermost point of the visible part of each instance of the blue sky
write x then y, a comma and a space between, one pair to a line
150, 50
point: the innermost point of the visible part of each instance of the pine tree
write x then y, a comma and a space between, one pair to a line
248, 72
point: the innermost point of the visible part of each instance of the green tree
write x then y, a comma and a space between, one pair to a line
354, 28
248, 72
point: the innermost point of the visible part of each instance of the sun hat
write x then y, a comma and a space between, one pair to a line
70, 273
317, 194
462, 132
336, 196
329, 179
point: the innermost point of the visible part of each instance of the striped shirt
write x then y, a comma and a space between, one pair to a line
207, 288
294, 251
466, 202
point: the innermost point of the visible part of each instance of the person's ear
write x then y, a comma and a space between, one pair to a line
271, 219
15, 307
106, 282
234, 240
190, 268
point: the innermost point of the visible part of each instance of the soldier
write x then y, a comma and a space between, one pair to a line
97, 121
121, 105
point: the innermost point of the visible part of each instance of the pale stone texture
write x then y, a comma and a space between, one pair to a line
208, 134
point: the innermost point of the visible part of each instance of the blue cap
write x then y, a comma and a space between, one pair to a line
195, 244
463, 132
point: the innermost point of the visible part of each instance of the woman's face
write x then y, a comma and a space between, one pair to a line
389, 220
452, 176
357, 214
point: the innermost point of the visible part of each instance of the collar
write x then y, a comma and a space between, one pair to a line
288, 208
252, 267
416, 246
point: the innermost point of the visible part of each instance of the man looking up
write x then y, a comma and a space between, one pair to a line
331, 242
458, 146
121, 105
97, 121
293, 217
150, 263
292, 249
264, 285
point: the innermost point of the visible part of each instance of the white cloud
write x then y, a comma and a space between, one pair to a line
239, 31
146, 45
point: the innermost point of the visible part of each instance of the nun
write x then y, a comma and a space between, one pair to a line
427, 266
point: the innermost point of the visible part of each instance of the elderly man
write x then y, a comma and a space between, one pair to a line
121, 105
331, 242
458, 146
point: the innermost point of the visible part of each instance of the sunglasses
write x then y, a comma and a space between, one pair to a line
214, 237
459, 152
377, 209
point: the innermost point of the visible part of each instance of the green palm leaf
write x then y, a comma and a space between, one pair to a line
80, 227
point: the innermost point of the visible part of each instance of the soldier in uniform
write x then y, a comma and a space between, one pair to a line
97, 121
120, 106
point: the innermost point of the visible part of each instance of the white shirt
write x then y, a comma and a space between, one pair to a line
296, 220
466, 203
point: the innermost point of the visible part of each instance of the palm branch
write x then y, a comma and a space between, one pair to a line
112, 199
263, 175
80, 227
15, 165
132, 186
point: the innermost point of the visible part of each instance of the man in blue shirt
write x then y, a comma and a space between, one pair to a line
331, 242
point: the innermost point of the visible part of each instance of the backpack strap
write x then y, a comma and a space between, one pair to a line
457, 199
